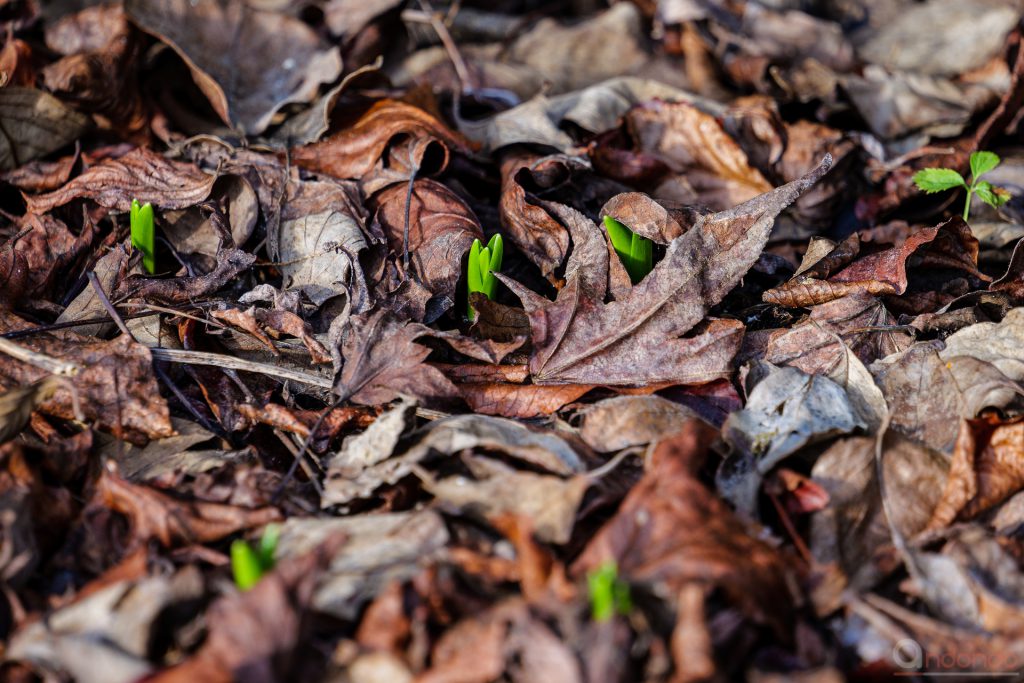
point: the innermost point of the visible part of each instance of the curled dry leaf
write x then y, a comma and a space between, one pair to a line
248, 62
579, 339
521, 401
987, 468
140, 174
50, 251
353, 151
230, 264
157, 516
33, 124
948, 246
441, 229
707, 166
541, 238
671, 531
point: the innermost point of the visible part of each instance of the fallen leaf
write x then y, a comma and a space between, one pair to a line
230, 264
140, 174
34, 124
248, 62
441, 228
987, 468
353, 151
624, 421
707, 166
541, 238
786, 410
157, 516
521, 401
853, 531
114, 387
579, 339
321, 235
670, 531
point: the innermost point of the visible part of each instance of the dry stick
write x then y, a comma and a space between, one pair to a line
111, 311
222, 361
39, 360
429, 16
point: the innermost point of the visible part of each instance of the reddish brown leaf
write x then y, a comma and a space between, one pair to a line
230, 263
579, 339
441, 229
155, 515
708, 166
382, 361
541, 238
353, 151
141, 174
520, 400
672, 532
987, 468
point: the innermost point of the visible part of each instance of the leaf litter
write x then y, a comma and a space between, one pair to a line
793, 441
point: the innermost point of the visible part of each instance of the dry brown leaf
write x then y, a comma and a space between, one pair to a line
230, 264
672, 532
382, 361
353, 151
541, 238
441, 229
33, 124
987, 468
707, 165
115, 386
579, 339
521, 401
248, 62
140, 174
157, 516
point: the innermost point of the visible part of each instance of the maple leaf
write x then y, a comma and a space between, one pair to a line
639, 338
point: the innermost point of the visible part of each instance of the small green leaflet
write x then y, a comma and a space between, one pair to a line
993, 196
983, 162
931, 180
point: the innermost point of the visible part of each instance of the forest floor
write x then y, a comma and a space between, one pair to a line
732, 393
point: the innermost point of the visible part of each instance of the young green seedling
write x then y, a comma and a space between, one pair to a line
635, 252
483, 263
249, 564
142, 233
932, 180
609, 595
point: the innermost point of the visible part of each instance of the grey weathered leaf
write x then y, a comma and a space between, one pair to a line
34, 123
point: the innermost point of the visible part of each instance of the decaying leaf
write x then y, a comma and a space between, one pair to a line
140, 174
248, 62
639, 339
34, 123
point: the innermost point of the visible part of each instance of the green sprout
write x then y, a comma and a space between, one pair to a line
249, 564
635, 252
142, 233
932, 180
483, 263
609, 595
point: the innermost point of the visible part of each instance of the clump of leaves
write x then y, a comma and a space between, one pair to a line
635, 252
249, 564
483, 263
143, 237
609, 595
932, 180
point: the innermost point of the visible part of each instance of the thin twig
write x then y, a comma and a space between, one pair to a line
42, 361
109, 307
222, 361
434, 18
39, 329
